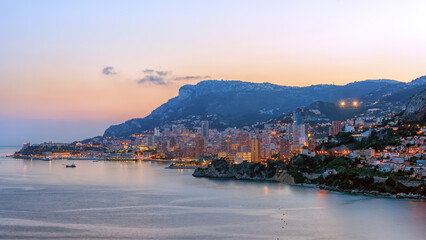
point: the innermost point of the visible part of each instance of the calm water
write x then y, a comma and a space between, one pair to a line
100, 200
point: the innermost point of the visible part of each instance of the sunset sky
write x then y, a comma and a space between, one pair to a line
69, 69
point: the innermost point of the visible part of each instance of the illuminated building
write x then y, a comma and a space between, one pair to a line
297, 117
336, 127
245, 156
255, 150
299, 134
199, 147
299, 129
156, 132
285, 151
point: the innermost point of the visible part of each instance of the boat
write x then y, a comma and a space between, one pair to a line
70, 166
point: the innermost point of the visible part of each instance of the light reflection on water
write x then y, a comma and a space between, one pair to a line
266, 190
140, 200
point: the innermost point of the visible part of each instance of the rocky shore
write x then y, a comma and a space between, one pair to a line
373, 193
181, 167
277, 173
245, 171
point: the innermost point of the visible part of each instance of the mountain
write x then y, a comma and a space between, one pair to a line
320, 111
331, 111
237, 103
416, 108
418, 81
402, 92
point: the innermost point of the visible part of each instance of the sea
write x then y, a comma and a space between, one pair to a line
145, 200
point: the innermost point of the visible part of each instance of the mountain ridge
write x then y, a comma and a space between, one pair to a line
239, 103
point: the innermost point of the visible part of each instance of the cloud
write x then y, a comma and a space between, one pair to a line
108, 70
158, 80
154, 76
191, 78
162, 73
160, 77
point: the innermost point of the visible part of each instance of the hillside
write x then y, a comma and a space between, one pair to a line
237, 103
331, 111
416, 108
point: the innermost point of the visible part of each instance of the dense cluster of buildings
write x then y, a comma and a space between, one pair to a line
409, 156
276, 141
269, 140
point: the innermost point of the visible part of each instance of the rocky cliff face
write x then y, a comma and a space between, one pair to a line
416, 108
245, 171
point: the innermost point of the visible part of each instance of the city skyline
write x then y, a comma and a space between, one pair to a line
213, 119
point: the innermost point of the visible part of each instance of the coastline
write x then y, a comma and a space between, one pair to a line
373, 193
274, 173
181, 167
329, 189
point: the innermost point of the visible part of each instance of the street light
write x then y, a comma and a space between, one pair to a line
342, 103
355, 103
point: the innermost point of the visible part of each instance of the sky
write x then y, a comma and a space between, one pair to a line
69, 69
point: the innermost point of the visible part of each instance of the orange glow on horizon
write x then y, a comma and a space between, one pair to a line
67, 81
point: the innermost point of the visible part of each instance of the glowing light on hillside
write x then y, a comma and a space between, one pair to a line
342, 103
355, 103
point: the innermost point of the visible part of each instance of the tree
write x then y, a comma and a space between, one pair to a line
390, 182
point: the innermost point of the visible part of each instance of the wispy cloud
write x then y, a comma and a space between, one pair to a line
191, 78
154, 76
108, 70
160, 77
158, 80
162, 73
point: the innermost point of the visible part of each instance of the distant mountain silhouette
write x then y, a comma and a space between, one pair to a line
237, 103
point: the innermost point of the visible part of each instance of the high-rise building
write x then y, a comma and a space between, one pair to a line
288, 132
299, 129
167, 132
199, 147
285, 152
156, 132
188, 151
205, 129
226, 146
336, 127
297, 117
245, 139
299, 134
162, 148
255, 150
